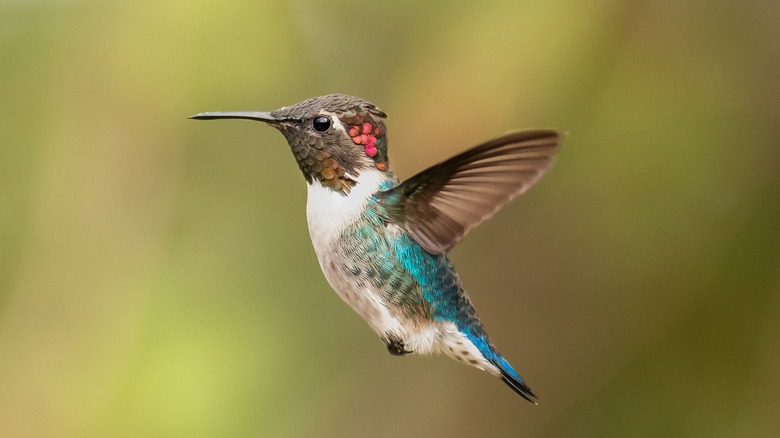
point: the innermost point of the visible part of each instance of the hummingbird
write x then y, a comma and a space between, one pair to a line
382, 244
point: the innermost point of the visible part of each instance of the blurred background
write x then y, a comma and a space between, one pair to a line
156, 273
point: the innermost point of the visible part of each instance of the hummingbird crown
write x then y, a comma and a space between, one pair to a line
334, 138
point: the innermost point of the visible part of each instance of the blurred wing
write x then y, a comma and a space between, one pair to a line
439, 205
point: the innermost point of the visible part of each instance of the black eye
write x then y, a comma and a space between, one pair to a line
321, 124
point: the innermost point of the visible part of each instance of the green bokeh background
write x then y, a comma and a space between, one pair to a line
156, 274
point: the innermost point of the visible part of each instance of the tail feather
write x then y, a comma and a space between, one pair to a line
508, 374
513, 380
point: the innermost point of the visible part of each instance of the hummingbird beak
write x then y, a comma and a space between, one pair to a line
251, 115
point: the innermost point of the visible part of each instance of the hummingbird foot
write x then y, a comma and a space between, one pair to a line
395, 345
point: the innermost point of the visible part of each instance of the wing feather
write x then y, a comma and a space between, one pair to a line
439, 205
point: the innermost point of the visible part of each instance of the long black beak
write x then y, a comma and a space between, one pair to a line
251, 115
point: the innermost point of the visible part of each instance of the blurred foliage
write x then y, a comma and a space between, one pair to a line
156, 277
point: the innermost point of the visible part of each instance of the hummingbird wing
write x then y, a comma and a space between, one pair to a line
439, 205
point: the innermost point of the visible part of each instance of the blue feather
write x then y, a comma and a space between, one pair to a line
435, 279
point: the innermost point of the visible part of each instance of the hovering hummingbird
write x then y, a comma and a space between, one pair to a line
382, 244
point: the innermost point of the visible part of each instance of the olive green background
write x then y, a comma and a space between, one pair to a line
156, 274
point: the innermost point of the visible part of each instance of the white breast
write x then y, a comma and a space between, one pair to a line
329, 213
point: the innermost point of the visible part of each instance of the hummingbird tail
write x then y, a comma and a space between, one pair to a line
513, 380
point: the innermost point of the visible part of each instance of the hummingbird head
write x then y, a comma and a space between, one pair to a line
334, 137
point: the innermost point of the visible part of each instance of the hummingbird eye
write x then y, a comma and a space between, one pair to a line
321, 124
